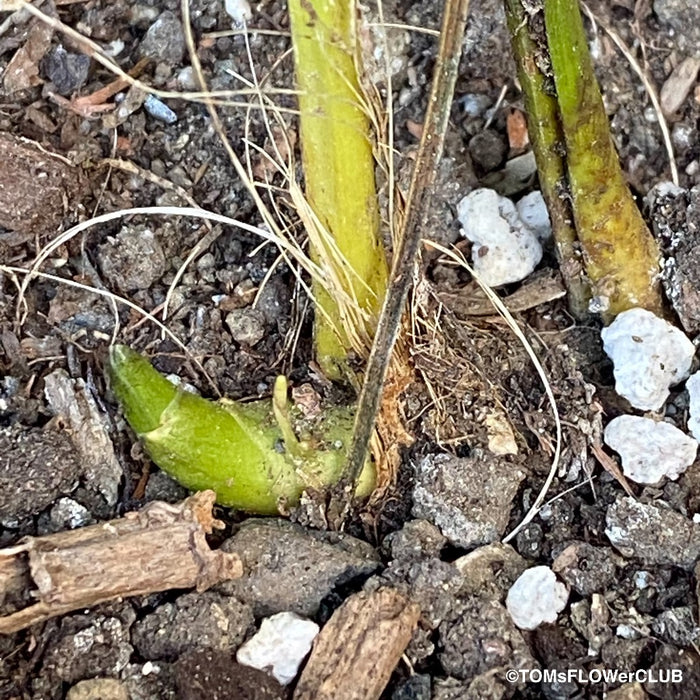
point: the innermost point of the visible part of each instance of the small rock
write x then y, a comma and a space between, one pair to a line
628, 691
280, 645
505, 250
675, 91
416, 540
532, 211
289, 568
586, 568
194, 621
693, 387
131, 260
161, 487
98, 689
675, 673
468, 498
164, 40
68, 514
67, 71
212, 675
416, 687
482, 637
487, 149
649, 356
490, 569
36, 467
247, 326
536, 597
649, 450
239, 11
88, 646
677, 626
653, 535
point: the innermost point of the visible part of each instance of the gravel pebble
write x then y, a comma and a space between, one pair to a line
164, 40
653, 535
287, 568
505, 250
468, 498
194, 621
650, 450
536, 597
280, 645
649, 354
247, 326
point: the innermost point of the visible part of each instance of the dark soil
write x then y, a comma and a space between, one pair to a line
239, 309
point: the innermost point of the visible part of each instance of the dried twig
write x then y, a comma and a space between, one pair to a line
424, 173
158, 548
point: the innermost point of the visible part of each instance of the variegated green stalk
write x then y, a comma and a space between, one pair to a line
254, 455
339, 173
619, 252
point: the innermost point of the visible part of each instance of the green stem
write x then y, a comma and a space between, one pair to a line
548, 146
339, 174
622, 259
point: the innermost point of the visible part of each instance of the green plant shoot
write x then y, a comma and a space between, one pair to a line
250, 454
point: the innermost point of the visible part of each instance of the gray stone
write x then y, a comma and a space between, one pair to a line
491, 569
67, 71
653, 535
36, 466
194, 621
482, 637
161, 487
164, 40
586, 568
417, 539
88, 646
131, 260
677, 626
417, 687
287, 568
468, 498
247, 326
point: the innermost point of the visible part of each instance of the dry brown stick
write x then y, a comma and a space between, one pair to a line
359, 647
454, 21
158, 548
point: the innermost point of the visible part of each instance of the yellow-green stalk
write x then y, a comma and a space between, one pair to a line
339, 174
547, 138
248, 453
619, 252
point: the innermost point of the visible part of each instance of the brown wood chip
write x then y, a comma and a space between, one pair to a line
357, 650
